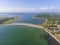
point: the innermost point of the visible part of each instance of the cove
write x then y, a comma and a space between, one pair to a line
22, 35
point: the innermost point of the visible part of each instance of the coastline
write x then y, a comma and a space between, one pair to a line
52, 36
47, 30
36, 26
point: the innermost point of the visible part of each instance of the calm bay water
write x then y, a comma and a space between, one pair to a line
22, 35
24, 17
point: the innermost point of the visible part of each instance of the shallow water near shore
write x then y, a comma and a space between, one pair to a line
22, 35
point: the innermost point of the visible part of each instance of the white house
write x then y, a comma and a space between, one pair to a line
58, 26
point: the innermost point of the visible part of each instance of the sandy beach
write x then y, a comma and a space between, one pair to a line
33, 25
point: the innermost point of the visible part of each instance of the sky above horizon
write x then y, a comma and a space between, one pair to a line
29, 6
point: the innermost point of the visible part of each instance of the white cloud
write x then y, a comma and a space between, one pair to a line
46, 8
25, 9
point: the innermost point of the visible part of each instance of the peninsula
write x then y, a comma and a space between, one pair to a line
7, 20
51, 24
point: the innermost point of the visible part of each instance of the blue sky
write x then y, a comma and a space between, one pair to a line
29, 5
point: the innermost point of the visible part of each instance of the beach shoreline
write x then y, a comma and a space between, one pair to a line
36, 26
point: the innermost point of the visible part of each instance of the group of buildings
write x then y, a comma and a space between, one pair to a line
55, 29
